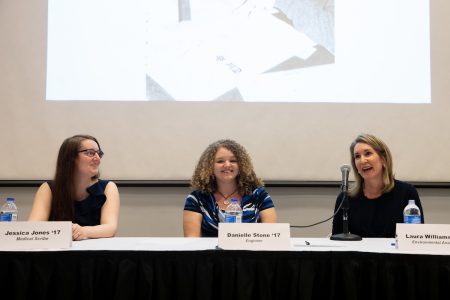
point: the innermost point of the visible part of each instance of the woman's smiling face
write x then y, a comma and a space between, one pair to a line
226, 167
367, 161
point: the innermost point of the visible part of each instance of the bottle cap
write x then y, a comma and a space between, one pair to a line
234, 200
9, 199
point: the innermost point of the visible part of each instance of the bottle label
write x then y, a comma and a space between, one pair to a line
6, 217
230, 218
412, 220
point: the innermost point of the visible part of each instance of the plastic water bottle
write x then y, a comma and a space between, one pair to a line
233, 212
8, 211
411, 213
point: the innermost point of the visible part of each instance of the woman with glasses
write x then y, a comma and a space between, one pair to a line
77, 194
224, 171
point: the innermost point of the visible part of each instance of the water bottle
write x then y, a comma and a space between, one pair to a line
411, 213
233, 212
8, 211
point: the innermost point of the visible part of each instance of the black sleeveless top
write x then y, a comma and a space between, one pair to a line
87, 212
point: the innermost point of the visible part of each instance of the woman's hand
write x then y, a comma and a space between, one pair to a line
78, 232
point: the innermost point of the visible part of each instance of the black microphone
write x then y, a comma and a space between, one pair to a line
345, 170
346, 235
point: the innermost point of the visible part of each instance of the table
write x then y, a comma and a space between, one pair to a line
192, 268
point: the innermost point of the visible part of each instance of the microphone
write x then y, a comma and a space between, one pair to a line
345, 170
346, 235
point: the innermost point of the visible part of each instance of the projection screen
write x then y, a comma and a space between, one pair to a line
293, 128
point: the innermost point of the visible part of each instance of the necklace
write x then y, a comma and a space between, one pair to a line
225, 198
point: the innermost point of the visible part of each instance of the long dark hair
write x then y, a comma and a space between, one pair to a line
63, 191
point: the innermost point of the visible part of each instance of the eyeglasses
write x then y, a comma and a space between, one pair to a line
92, 152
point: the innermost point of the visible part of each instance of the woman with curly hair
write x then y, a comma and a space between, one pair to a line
224, 171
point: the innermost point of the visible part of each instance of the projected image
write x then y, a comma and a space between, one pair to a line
207, 49
352, 51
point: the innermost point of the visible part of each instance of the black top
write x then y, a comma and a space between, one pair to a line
377, 217
87, 212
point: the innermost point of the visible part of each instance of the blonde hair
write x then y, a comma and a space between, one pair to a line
385, 154
204, 180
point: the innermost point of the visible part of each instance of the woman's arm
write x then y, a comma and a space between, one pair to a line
42, 204
108, 221
265, 205
192, 222
268, 215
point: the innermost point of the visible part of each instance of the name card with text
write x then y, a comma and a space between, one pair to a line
429, 237
254, 236
35, 235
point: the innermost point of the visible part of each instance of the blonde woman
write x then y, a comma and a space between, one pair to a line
377, 199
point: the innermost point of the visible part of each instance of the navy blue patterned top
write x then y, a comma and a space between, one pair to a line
205, 204
87, 212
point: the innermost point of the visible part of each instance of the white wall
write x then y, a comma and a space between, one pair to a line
157, 211
154, 140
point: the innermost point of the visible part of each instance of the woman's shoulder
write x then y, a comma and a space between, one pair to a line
48, 183
98, 188
46, 187
104, 182
260, 193
259, 190
199, 198
260, 197
402, 185
199, 195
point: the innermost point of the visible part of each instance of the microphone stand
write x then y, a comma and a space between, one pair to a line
345, 236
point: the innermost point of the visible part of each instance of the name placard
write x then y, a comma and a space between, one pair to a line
35, 235
429, 237
254, 236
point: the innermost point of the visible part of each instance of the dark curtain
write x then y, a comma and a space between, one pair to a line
218, 274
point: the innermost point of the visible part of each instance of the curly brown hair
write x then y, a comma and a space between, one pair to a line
204, 179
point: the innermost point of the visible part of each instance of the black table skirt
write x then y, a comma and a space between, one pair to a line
217, 274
